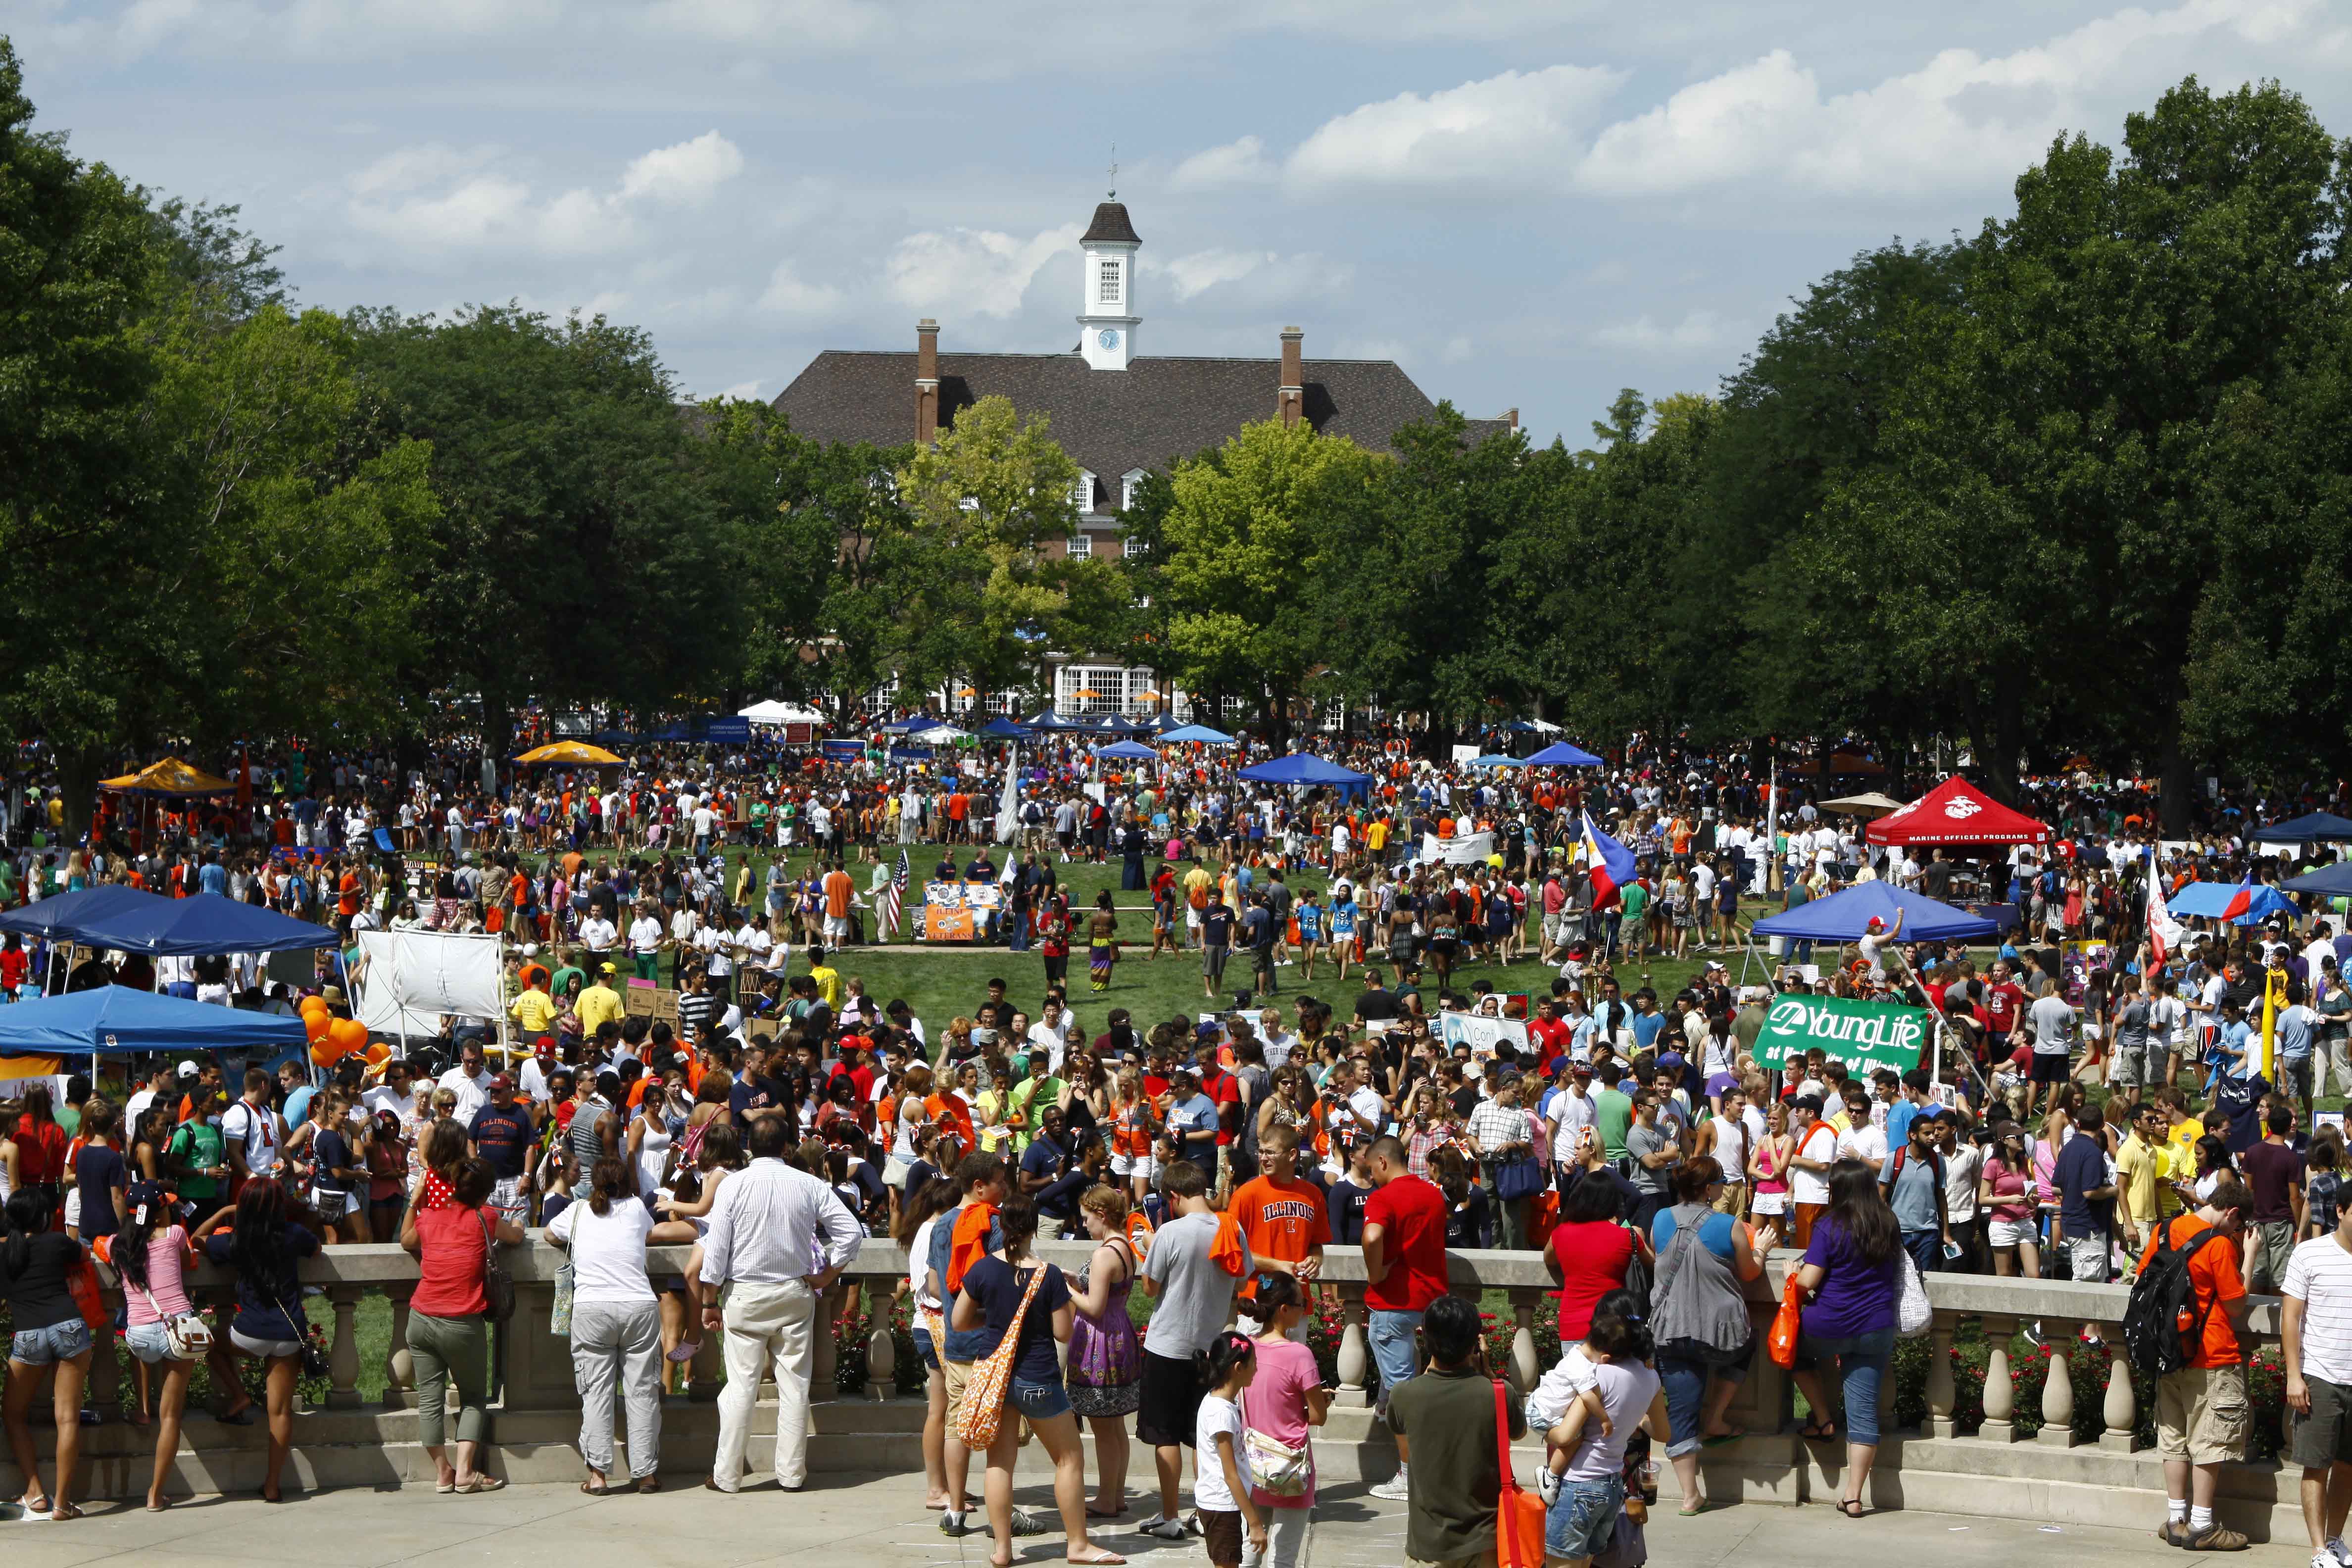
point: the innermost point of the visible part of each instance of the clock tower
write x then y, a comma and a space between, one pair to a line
1106, 316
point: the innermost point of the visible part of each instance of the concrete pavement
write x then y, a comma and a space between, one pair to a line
878, 1521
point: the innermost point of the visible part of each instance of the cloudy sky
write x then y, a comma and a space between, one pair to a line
1528, 203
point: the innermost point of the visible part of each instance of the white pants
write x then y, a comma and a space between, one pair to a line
1285, 1536
618, 1349
768, 1328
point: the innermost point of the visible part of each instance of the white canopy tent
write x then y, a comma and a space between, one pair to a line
773, 711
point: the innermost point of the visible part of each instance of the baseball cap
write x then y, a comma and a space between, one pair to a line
501, 1082
188, 1069
545, 1046
1876, 924
606, 969
1583, 1067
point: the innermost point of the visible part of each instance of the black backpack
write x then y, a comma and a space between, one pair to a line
2163, 1324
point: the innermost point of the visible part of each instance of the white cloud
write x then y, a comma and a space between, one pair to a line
742, 390
689, 173
972, 271
1482, 133
1697, 331
1236, 163
1962, 120
1207, 268
788, 297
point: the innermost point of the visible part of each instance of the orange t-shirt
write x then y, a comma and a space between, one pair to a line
968, 1244
839, 889
348, 901
2217, 1277
1282, 1220
948, 1111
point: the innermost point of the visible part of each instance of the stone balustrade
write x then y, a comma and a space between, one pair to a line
2070, 1468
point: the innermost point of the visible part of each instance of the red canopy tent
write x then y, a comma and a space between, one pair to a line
1957, 812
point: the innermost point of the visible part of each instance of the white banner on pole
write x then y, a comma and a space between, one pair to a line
407, 980
1482, 1034
1470, 849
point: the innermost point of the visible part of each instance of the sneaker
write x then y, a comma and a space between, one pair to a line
2172, 1531
2214, 1538
1393, 1489
952, 1526
2323, 1558
1165, 1529
1027, 1523
1547, 1486
2341, 1552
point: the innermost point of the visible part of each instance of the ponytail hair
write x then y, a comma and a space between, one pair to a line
1228, 1350
1275, 1291
611, 1179
25, 1217
1618, 1330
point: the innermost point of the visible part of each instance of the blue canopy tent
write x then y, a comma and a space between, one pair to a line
1119, 723
1049, 723
1496, 760
2328, 881
115, 1018
1001, 729
1299, 768
138, 922
1846, 917
1559, 754
1200, 732
1132, 751
2212, 901
906, 726
2319, 827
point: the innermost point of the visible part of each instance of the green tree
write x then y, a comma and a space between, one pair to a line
1244, 536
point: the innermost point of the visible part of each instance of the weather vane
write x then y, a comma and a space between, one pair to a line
1114, 170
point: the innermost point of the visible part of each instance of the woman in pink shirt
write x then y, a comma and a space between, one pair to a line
1282, 1402
151, 1253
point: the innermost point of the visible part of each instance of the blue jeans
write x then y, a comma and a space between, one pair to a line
1686, 1379
1583, 1518
1391, 1336
1862, 1360
1927, 1250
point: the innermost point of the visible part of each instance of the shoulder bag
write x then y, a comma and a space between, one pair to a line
186, 1335
497, 1285
992, 1376
1518, 1512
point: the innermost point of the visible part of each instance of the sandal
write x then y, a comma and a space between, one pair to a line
64, 1512
1101, 1557
1094, 1513
32, 1508
590, 1489
1818, 1431
648, 1484
1853, 1508
1692, 1511
481, 1483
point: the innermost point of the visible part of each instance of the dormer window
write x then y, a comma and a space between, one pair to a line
1107, 292
1127, 483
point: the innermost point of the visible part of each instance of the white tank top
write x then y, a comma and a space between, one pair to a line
1731, 1147
653, 1153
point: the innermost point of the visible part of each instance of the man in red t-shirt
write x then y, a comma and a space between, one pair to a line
1551, 1036
2004, 1002
1404, 1271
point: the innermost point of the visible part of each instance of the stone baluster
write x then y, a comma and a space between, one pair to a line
1355, 1349
2058, 1388
1999, 1393
1524, 1370
704, 1372
823, 1382
882, 1360
343, 1357
399, 1370
1942, 1395
102, 1389
2121, 1410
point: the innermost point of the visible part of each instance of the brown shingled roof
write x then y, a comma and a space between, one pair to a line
1109, 422
1110, 223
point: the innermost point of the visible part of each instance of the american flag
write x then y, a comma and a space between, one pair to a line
891, 897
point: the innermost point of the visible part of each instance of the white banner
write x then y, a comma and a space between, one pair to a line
1464, 753
407, 980
1470, 849
1481, 1034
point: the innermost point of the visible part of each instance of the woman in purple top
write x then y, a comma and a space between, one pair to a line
1850, 1277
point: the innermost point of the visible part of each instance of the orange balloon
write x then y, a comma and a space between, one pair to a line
350, 1033
324, 1054
316, 1026
378, 1054
313, 1003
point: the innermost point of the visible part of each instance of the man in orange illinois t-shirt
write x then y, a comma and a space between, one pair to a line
840, 893
1282, 1219
2201, 1421
1404, 1271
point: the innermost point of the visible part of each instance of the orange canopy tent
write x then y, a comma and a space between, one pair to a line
169, 776
571, 755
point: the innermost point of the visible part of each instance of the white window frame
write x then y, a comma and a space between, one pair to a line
1127, 483
1109, 277
1082, 494
1129, 547
1081, 546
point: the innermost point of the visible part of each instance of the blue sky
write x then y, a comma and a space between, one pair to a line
1528, 205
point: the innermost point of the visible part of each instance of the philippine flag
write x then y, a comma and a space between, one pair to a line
2242, 901
1611, 863
2163, 931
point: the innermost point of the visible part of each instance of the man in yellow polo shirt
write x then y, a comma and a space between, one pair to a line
600, 1003
534, 1010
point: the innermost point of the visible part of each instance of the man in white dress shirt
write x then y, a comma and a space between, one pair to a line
766, 1231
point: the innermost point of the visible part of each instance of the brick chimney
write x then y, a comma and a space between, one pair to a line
1511, 418
1290, 398
926, 381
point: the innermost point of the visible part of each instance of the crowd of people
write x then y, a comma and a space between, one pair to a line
2065, 1121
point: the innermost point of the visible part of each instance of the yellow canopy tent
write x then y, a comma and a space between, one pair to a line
169, 776
571, 753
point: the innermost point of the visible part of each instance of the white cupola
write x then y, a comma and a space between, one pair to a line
1106, 316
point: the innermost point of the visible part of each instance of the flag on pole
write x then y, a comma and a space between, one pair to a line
1008, 806
893, 898
2163, 931
1609, 862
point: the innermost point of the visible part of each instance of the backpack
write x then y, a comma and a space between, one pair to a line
2162, 1323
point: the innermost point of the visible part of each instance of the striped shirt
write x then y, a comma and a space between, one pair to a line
2319, 1275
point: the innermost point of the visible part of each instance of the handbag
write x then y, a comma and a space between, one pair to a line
81, 1283
992, 1376
1518, 1512
1522, 1177
1274, 1467
1914, 1313
1628, 1546
186, 1335
497, 1285
314, 1360
1787, 1325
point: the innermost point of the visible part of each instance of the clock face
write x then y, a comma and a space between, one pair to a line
1108, 338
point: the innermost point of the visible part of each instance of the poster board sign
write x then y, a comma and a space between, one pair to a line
2076, 960
637, 998
406, 980
1464, 753
958, 911
1482, 1035
1470, 849
1865, 1036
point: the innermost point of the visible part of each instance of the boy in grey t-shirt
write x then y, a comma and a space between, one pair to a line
1192, 1294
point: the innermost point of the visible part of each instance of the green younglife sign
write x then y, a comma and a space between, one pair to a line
1865, 1036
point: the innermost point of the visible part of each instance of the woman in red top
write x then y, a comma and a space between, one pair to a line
1588, 1252
447, 1335
40, 1146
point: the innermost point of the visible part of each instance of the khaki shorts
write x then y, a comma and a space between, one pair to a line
956, 1373
2202, 1414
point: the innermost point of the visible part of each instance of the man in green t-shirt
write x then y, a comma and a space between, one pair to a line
1634, 901
197, 1153
1037, 1090
1613, 1115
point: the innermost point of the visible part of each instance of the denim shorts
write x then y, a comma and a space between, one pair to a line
1038, 1401
925, 1352
1391, 1336
59, 1341
1583, 1518
149, 1341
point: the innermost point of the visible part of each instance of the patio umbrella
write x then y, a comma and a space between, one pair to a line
1859, 805
570, 754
